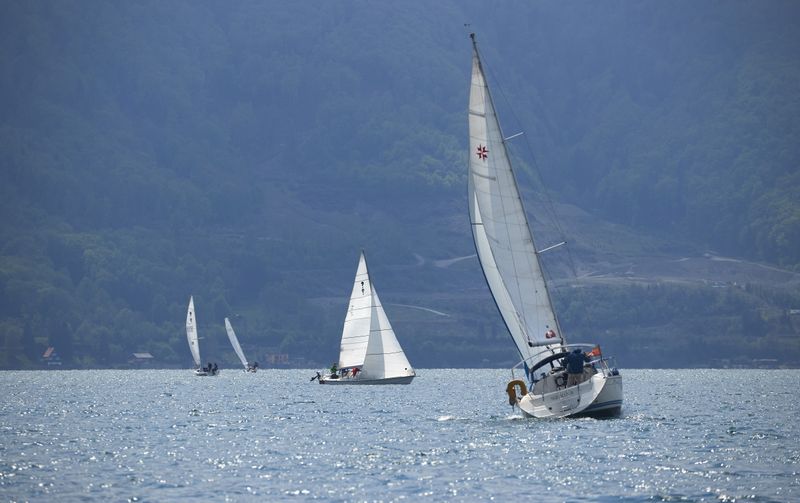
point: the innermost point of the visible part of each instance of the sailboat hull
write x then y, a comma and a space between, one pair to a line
600, 396
388, 380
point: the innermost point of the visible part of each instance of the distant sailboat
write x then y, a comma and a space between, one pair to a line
369, 352
512, 269
194, 345
237, 348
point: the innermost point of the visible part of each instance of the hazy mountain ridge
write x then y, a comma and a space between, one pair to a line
244, 154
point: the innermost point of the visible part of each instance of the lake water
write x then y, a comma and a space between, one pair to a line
165, 435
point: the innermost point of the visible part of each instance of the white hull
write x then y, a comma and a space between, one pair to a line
203, 373
599, 396
356, 380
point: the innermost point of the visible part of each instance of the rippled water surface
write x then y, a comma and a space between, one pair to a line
695, 435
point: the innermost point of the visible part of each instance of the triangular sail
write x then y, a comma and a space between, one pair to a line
355, 332
191, 333
500, 227
385, 358
235, 343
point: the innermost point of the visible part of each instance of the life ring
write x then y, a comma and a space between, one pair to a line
511, 390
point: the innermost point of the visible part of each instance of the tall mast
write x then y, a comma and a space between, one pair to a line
518, 196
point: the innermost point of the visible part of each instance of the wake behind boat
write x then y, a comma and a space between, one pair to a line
369, 351
194, 344
554, 379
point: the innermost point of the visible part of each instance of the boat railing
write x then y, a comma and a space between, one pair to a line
528, 367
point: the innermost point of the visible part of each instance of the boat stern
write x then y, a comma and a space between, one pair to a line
599, 396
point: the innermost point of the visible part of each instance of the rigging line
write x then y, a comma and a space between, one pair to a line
534, 164
549, 205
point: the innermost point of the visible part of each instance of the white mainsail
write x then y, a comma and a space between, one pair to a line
235, 343
500, 228
355, 333
191, 333
385, 358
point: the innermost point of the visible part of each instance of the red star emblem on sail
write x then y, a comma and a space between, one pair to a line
482, 152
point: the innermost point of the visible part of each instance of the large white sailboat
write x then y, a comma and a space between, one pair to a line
237, 348
194, 344
511, 265
369, 351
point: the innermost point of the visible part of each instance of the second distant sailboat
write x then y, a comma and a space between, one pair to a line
238, 348
369, 352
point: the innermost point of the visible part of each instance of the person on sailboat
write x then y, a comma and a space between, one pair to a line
215, 368
356, 370
574, 363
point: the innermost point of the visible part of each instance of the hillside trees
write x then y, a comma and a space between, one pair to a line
244, 154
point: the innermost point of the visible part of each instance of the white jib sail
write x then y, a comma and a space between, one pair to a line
500, 228
385, 358
235, 343
355, 332
191, 333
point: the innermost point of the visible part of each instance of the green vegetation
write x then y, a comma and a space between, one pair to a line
658, 325
244, 153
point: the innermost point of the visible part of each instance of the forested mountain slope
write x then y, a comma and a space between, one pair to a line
245, 153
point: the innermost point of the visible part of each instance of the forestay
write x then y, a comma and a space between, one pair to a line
191, 333
500, 228
235, 343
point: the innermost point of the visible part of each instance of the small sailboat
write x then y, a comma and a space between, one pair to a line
238, 348
194, 345
369, 352
512, 268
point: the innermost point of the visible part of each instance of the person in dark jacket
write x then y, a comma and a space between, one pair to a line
574, 363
